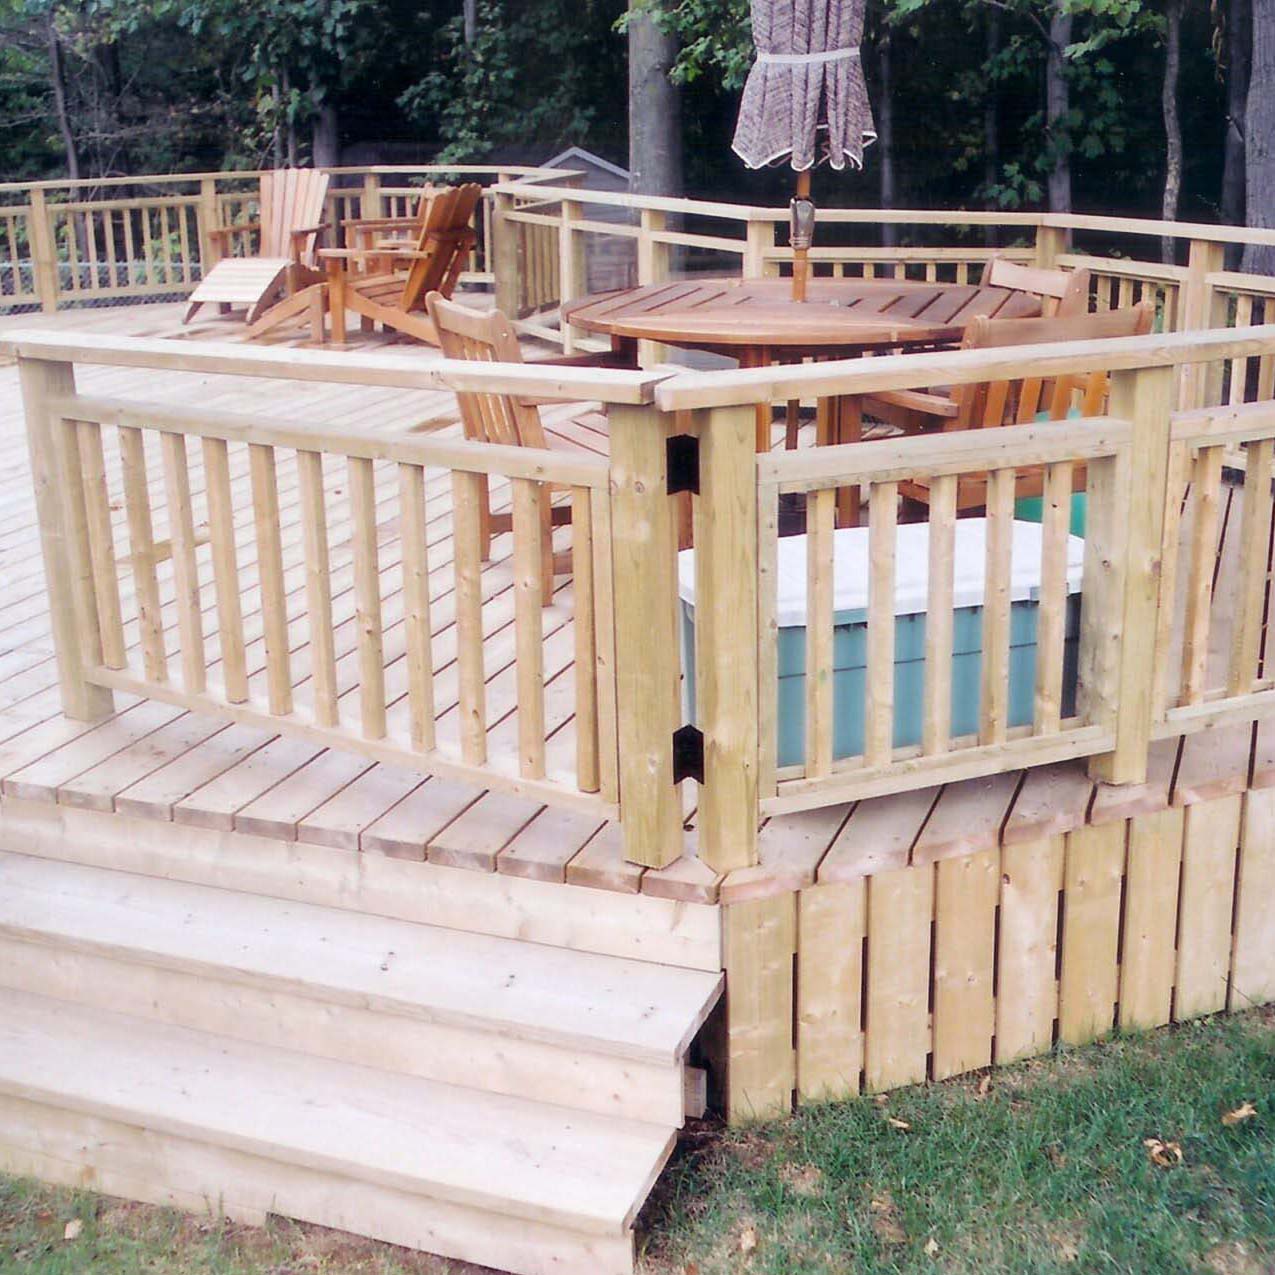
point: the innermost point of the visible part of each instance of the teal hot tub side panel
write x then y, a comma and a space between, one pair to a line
849, 658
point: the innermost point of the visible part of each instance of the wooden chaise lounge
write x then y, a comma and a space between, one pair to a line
288, 226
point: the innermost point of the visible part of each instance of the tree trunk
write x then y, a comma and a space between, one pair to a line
1057, 104
655, 109
471, 21
276, 137
1259, 138
325, 136
1239, 57
885, 139
57, 76
991, 120
1172, 124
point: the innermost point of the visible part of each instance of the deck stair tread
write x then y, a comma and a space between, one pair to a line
508, 1156
574, 1000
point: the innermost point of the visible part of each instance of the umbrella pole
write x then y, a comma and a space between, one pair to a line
802, 229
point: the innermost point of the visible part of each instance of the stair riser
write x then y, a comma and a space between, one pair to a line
106, 1155
478, 1060
577, 918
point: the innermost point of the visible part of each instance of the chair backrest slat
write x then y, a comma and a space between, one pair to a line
485, 338
1022, 400
446, 235
291, 199
1062, 292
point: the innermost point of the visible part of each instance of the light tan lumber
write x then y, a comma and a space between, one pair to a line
1027, 986
142, 551
1150, 919
1113, 802
1253, 959
820, 510
726, 637
644, 928
318, 582
481, 832
420, 661
1052, 614
101, 540
225, 567
485, 1151
1205, 493
831, 923
878, 728
937, 710
405, 830
587, 621
966, 818
790, 849
265, 504
877, 836
1091, 921
966, 892
1209, 843
367, 589
542, 849
121, 1160
688, 878
528, 586
645, 636
467, 497
181, 528
278, 810
1144, 398
900, 907
759, 944
1213, 763
1052, 800
1251, 578
994, 665
604, 606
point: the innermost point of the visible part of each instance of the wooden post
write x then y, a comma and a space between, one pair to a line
1051, 241
43, 251
647, 704
55, 471
207, 219
1134, 519
371, 203
726, 659
504, 256
573, 269
653, 267
759, 244
1201, 382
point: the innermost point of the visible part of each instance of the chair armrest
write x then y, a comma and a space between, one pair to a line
243, 228
915, 401
599, 358
377, 223
309, 230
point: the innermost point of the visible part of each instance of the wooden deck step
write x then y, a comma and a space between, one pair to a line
498, 1180
598, 1033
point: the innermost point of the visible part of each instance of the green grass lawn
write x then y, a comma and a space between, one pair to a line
1042, 1168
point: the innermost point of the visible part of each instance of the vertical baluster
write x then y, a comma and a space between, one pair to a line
108, 233
148, 255
883, 514
181, 530
1051, 617
1199, 594
420, 661
101, 539
820, 512
1239, 367
937, 716
586, 641
274, 613
367, 594
467, 542
318, 587
225, 565
141, 537
993, 717
130, 252
767, 637
528, 624
183, 235
604, 611
1255, 538
90, 243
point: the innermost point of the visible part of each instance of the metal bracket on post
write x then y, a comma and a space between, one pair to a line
688, 754
683, 463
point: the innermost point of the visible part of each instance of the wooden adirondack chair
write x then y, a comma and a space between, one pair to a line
505, 418
1018, 401
386, 281
1062, 293
288, 226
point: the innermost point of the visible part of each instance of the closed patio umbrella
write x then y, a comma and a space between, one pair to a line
805, 100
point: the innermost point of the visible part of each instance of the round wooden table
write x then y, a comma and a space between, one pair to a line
757, 322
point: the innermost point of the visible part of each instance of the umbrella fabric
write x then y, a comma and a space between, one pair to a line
805, 95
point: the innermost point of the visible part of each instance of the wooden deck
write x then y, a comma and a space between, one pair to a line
152, 761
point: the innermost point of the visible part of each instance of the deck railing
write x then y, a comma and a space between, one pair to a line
118, 239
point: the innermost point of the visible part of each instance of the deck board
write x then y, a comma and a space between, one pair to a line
157, 762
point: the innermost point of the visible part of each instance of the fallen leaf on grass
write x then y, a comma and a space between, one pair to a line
984, 1086
1164, 1155
747, 1240
895, 1123
1055, 1156
1245, 1111
72, 1229
885, 1222
931, 1247
805, 1179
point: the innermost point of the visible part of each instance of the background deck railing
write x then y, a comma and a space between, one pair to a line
121, 239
